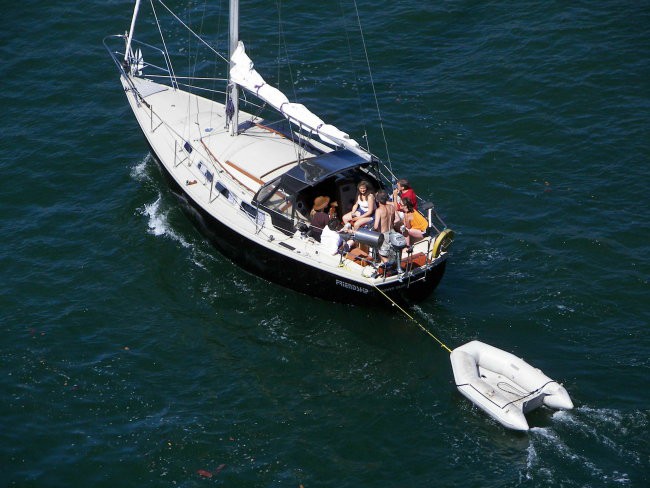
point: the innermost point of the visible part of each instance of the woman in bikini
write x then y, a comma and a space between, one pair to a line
364, 208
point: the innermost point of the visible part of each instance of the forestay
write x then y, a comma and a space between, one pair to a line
244, 74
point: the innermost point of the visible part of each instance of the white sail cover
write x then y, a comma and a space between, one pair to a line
244, 74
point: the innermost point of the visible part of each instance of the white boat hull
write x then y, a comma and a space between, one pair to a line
250, 179
288, 260
503, 385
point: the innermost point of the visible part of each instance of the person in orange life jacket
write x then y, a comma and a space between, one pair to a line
415, 225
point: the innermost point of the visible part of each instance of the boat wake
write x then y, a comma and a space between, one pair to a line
543, 441
139, 171
590, 422
156, 213
158, 224
604, 430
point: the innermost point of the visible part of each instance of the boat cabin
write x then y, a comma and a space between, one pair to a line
289, 198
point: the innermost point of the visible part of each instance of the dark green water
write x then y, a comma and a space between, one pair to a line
133, 354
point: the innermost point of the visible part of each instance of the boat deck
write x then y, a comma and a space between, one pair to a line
189, 138
257, 155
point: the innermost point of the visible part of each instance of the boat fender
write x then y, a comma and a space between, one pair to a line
442, 243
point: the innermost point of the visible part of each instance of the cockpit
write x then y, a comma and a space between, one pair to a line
289, 198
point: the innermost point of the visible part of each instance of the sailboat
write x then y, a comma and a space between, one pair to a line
250, 179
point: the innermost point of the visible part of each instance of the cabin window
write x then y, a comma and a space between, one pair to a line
252, 211
249, 209
267, 190
222, 189
278, 200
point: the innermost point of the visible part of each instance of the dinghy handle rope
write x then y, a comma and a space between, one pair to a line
424, 329
511, 402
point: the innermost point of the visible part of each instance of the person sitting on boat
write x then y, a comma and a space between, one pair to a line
401, 193
363, 210
318, 217
332, 240
384, 220
332, 211
415, 225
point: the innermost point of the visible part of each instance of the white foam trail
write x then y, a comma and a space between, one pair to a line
531, 460
546, 437
612, 419
158, 224
561, 448
604, 415
139, 171
533, 467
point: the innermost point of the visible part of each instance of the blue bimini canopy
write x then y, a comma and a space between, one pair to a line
312, 171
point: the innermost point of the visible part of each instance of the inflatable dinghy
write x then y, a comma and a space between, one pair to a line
503, 385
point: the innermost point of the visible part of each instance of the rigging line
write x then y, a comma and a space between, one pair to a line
196, 55
214, 72
372, 83
190, 73
356, 75
189, 78
162, 38
282, 41
424, 329
278, 4
300, 152
193, 33
300, 148
193, 68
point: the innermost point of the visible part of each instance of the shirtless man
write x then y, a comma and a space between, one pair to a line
384, 220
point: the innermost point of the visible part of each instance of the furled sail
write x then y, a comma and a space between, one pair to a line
244, 74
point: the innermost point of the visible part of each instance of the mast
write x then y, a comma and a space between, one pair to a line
128, 40
232, 103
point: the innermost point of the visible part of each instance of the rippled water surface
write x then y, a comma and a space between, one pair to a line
133, 354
